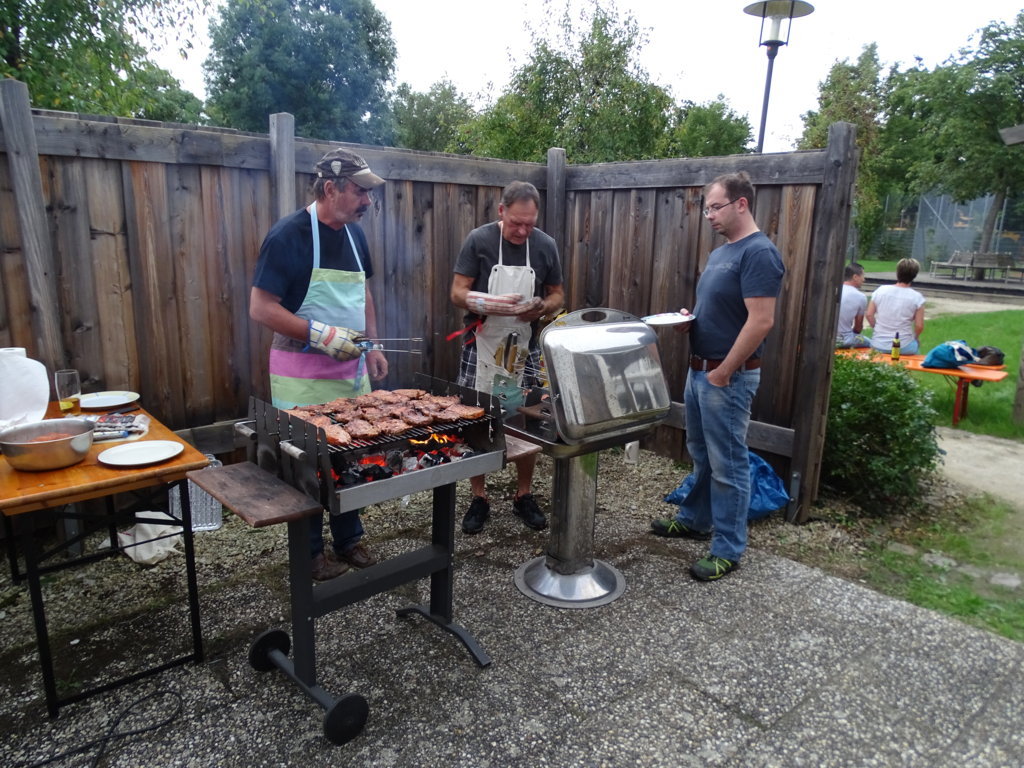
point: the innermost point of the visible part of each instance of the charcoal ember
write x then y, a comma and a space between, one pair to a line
432, 459
394, 459
350, 476
371, 472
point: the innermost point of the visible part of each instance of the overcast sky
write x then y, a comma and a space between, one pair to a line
699, 49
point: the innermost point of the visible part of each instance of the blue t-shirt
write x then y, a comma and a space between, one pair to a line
286, 256
749, 268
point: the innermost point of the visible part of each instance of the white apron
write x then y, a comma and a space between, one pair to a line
503, 342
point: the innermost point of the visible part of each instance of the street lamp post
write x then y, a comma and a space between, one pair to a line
775, 12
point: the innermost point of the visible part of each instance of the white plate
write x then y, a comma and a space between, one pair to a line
97, 400
141, 453
668, 318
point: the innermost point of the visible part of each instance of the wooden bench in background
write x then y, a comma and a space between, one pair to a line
959, 260
991, 265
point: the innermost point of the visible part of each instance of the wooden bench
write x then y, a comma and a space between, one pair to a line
985, 265
1014, 272
959, 260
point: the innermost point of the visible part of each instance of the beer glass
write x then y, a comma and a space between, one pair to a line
69, 391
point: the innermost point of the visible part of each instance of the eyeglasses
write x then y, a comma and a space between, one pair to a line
716, 208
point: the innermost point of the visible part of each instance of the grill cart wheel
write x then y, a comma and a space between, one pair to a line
346, 718
260, 650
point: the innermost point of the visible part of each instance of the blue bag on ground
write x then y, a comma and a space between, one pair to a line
950, 354
767, 492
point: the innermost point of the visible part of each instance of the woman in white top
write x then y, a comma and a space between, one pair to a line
897, 309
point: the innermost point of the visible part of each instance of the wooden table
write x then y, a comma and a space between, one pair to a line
23, 494
963, 376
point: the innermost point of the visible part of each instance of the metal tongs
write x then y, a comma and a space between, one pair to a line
378, 346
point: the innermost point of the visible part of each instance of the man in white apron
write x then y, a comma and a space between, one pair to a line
310, 289
507, 276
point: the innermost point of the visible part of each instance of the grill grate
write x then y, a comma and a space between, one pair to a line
301, 455
413, 433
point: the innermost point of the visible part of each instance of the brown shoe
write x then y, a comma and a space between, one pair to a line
359, 556
326, 568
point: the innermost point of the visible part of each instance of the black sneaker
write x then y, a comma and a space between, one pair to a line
477, 514
673, 529
711, 568
526, 508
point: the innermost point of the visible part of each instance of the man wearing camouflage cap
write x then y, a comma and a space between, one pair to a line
310, 288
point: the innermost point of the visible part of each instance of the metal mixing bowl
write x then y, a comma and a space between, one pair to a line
21, 453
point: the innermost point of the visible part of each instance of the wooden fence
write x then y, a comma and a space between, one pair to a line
127, 249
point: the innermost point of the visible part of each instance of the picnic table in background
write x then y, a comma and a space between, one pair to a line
963, 376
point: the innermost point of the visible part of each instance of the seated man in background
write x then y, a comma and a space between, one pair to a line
852, 304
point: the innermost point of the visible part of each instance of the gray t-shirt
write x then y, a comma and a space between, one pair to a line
851, 303
479, 254
748, 268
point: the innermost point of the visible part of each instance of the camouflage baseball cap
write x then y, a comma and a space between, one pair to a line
340, 163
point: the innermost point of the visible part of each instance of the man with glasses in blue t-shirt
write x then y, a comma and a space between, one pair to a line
735, 310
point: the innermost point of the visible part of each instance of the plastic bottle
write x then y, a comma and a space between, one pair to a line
896, 346
207, 512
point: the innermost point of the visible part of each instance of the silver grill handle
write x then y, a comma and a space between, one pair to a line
244, 429
293, 450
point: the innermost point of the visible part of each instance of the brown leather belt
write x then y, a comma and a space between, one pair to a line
700, 364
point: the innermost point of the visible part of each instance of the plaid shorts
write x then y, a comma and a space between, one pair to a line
467, 367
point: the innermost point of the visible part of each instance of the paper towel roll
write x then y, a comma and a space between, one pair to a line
25, 386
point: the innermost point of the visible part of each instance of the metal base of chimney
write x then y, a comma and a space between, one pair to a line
568, 576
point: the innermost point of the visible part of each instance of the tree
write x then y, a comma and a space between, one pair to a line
854, 93
958, 110
430, 121
706, 130
328, 63
584, 95
84, 56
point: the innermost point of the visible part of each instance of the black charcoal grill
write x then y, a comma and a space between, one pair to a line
298, 453
606, 389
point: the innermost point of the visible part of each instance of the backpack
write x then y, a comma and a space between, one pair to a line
950, 354
990, 356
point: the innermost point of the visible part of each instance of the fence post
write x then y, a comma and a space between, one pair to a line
40, 267
282, 164
828, 249
554, 214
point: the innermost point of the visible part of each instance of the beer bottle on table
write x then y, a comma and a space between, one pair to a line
896, 346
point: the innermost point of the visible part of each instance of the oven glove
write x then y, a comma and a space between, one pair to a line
340, 343
509, 304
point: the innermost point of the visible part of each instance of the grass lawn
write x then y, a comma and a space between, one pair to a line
984, 533
871, 265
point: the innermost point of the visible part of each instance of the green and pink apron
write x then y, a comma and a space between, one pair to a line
300, 375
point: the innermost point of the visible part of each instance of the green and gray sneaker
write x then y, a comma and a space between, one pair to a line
673, 529
711, 568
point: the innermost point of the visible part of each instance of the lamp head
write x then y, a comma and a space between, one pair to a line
776, 12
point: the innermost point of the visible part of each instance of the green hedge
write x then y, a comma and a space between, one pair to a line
880, 440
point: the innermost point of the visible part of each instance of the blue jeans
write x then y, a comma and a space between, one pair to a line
716, 437
346, 529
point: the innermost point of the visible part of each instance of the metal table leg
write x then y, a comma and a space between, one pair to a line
34, 559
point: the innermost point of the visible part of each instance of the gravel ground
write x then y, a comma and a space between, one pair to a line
117, 615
